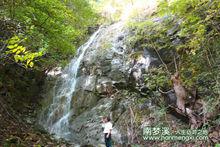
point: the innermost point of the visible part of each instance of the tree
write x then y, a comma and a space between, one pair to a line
57, 27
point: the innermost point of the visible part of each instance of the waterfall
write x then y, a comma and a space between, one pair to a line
57, 116
77, 101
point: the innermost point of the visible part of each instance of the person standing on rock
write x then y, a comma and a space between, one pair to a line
107, 128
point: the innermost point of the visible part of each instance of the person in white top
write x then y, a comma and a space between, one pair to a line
107, 128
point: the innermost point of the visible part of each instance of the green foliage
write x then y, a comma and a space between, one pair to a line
195, 24
57, 26
20, 53
157, 77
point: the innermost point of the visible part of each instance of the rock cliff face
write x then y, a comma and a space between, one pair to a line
107, 80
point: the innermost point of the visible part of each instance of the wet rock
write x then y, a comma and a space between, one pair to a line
83, 100
117, 110
86, 83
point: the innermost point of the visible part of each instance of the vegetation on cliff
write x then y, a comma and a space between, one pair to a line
190, 31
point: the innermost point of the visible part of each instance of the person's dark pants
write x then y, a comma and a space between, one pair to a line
108, 141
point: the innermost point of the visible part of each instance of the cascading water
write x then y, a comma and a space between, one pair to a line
56, 120
77, 104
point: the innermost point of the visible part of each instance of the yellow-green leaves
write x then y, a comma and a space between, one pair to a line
13, 40
20, 52
57, 25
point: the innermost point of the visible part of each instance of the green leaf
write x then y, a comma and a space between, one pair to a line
12, 46
31, 64
16, 57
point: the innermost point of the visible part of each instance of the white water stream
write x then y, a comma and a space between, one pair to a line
57, 119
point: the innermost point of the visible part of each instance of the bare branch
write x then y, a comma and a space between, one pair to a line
165, 92
158, 54
3, 47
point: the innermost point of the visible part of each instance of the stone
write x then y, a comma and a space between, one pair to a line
86, 82
116, 75
83, 100
90, 83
